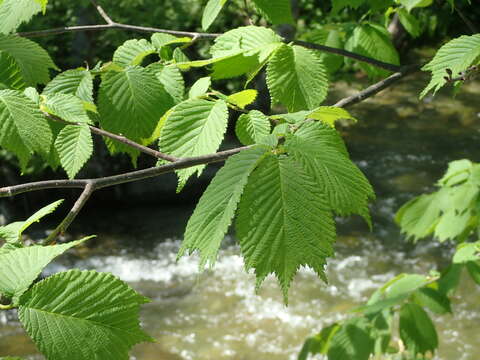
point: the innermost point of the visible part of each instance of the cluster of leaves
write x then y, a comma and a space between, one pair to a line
449, 213
395, 322
377, 330
59, 312
455, 57
286, 192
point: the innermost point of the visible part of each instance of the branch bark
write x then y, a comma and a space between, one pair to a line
377, 87
103, 182
68, 29
77, 207
349, 54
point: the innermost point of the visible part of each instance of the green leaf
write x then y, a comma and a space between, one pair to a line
458, 171
33, 61
375, 306
323, 154
277, 12
172, 80
160, 40
456, 55
474, 271
21, 267
83, 315
67, 107
10, 73
467, 252
78, 82
15, 12
452, 224
433, 299
8, 247
352, 341
338, 5
216, 208
252, 127
74, 145
200, 87
211, 12
43, 3
12, 233
450, 279
253, 39
132, 52
283, 222
244, 50
417, 330
297, 78
374, 41
330, 114
32, 94
411, 4
320, 343
243, 98
404, 284
418, 217
179, 56
24, 129
132, 103
409, 22
292, 118
195, 127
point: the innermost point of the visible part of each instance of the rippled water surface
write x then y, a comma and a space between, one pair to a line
402, 144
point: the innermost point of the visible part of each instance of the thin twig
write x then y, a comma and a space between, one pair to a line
79, 204
467, 21
349, 54
133, 144
377, 87
69, 29
120, 138
102, 13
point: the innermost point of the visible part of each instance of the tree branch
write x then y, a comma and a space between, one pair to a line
114, 25
120, 138
103, 182
102, 12
79, 204
349, 54
379, 86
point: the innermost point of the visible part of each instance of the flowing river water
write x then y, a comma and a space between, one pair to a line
402, 144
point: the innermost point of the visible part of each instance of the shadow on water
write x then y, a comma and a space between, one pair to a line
403, 146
